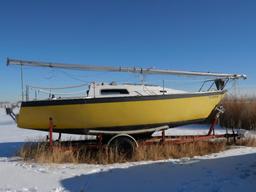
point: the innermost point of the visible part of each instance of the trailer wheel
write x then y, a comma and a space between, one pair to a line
124, 145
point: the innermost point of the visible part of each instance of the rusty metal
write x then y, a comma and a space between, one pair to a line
50, 131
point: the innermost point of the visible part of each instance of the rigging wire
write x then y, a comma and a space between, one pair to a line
52, 74
61, 93
55, 88
22, 82
71, 76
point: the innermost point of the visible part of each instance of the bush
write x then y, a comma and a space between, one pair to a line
239, 113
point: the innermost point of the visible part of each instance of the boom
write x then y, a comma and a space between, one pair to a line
121, 69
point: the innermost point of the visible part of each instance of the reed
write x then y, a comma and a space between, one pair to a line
240, 112
42, 153
198, 148
249, 142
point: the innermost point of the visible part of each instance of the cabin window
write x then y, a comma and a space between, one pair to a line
114, 92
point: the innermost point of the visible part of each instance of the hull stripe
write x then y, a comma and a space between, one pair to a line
115, 99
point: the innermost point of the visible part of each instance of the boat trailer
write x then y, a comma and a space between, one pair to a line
126, 142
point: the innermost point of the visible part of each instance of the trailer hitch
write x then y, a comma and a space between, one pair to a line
9, 111
218, 111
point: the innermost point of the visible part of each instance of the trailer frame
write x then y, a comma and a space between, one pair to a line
107, 141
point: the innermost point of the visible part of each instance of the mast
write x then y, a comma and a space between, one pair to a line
150, 71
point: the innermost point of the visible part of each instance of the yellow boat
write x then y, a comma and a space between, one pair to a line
123, 108
117, 113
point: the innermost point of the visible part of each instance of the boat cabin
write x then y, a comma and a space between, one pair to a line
98, 90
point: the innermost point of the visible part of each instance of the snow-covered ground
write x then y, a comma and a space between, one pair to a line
231, 170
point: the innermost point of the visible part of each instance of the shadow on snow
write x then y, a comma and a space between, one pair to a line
235, 173
10, 149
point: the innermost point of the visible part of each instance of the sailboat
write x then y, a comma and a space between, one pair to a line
111, 108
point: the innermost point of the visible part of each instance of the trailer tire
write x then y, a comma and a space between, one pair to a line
124, 145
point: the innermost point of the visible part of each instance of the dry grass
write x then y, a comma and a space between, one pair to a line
239, 113
42, 153
249, 142
158, 152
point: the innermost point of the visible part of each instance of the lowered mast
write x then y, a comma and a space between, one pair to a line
121, 69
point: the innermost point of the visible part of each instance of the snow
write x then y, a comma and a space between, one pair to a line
198, 129
230, 170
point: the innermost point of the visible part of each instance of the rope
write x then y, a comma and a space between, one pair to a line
54, 88
191, 80
56, 93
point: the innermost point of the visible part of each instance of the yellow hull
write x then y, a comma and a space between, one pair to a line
117, 113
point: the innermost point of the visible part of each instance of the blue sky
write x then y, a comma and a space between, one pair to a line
198, 35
